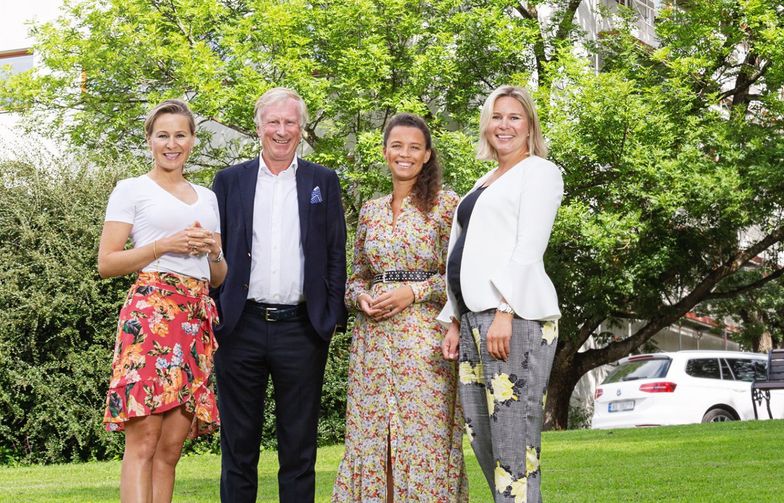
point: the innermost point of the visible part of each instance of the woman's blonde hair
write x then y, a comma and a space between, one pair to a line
176, 107
536, 145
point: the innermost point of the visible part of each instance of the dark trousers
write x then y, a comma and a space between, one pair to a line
294, 356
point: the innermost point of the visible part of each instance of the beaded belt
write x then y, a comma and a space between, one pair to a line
393, 276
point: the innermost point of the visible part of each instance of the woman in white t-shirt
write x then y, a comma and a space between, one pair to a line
161, 385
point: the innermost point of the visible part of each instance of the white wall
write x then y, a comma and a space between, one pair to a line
14, 35
16, 15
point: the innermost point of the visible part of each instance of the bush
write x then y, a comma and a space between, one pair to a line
580, 417
57, 318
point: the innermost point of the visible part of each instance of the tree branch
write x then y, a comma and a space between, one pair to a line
669, 314
243, 132
745, 288
567, 21
746, 82
530, 13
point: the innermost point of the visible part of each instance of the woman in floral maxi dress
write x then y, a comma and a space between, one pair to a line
403, 422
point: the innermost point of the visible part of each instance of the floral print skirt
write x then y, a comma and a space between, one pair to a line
164, 352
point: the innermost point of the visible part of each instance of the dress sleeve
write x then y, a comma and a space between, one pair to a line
359, 280
448, 311
523, 279
434, 288
121, 207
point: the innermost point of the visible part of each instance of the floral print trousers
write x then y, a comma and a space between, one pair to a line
503, 403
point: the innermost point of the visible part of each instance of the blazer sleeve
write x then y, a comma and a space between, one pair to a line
219, 189
523, 281
336, 251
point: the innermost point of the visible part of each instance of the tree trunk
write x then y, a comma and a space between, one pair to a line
563, 379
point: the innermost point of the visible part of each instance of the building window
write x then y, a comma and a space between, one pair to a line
646, 16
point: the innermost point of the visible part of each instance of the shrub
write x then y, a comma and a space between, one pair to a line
58, 317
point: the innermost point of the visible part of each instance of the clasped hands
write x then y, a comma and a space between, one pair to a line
387, 304
194, 240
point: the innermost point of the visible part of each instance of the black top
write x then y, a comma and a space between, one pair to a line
464, 211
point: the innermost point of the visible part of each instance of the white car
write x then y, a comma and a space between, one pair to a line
682, 387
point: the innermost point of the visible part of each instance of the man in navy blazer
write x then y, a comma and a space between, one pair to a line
284, 236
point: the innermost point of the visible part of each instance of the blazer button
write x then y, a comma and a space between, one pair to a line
248, 254
245, 286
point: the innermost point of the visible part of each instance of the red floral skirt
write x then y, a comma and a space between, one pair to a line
164, 351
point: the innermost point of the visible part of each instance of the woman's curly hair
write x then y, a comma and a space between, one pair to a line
424, 194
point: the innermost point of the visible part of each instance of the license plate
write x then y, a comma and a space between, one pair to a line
620, 406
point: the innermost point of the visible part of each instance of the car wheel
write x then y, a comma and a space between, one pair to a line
718, 416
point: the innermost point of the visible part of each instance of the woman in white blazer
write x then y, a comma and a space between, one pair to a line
502, 309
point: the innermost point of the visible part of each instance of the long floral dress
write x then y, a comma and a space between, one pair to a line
401, 391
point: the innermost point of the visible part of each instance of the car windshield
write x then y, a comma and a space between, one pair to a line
639, 369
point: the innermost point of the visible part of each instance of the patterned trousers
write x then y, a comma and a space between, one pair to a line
503, 403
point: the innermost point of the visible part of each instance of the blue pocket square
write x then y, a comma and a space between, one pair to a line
315, 196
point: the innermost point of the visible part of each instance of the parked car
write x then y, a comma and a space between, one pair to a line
680, 388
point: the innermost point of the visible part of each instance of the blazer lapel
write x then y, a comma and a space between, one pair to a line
304, 177
248, 193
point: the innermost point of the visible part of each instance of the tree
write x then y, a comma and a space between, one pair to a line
668, 153
757, 313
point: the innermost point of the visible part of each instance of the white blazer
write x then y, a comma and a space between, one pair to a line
506, 240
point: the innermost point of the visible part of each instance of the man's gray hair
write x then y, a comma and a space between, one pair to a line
276, 95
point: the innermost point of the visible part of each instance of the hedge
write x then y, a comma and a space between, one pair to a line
57, 317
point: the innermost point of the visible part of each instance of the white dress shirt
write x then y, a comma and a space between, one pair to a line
277, 271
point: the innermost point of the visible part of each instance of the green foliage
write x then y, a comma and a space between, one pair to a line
57, 320
668, 152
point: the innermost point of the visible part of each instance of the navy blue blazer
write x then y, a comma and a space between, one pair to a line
322, 233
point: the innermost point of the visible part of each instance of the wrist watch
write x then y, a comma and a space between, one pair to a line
503, 307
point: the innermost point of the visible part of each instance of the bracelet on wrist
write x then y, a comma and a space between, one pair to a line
503, 307
218, 259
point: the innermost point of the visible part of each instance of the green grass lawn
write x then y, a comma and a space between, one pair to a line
732, 462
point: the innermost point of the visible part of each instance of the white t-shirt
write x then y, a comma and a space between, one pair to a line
156, 214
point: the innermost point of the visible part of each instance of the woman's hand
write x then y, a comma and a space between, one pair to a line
451, 342
179, 243
365, 303
394, 301
201, 241
499, 334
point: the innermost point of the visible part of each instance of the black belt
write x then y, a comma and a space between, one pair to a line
393, 276
278, 312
